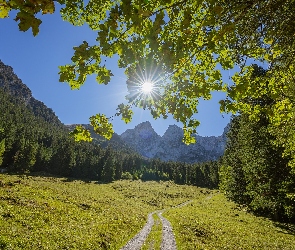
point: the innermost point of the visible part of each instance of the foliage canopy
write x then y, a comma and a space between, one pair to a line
183, 45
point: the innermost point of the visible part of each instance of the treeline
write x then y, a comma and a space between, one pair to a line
29, 143
254, 172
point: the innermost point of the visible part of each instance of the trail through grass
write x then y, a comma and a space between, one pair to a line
56, 213
155, 237
38, 212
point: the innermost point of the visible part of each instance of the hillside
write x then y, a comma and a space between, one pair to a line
22, 95
11, 84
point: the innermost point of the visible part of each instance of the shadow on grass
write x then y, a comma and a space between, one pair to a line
63, 178
286, 228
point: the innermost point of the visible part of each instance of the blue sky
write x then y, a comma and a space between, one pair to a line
36, 59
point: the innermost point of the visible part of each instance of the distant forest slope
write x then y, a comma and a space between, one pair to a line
32, 144
33, 139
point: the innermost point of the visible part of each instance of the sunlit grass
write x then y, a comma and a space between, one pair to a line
154, 239
48, 213
218, 224
57, 213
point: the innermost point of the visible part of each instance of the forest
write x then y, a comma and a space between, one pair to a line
252, 171
29, 143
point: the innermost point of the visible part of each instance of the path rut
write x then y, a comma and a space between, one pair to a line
136, 242
168, 239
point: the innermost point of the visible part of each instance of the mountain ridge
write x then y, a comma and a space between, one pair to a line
141, 139
169, 147
10, 82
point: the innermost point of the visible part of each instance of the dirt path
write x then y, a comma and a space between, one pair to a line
136, 242
168, 239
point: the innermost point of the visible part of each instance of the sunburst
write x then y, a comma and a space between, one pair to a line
145, 84
147, 87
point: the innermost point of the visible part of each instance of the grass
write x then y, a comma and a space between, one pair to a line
216, 223
38, 212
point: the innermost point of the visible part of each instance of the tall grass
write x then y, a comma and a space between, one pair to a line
56, 213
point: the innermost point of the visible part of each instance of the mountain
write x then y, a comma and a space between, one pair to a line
11, 84
144, 140
115, 142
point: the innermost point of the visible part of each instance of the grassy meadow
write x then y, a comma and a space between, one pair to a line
216, 223
46, 212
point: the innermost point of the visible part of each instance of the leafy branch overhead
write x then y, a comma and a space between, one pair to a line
26, 12
186, 45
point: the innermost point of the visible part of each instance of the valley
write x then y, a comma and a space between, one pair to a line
49, 212
168, 70
62, 194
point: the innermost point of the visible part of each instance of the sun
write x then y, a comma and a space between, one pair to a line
147, 87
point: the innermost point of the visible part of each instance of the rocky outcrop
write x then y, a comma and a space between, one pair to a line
10, 82
144, 140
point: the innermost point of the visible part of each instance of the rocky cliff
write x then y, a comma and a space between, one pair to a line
144, 140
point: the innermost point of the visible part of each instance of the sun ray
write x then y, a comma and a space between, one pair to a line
147, 87
145, 84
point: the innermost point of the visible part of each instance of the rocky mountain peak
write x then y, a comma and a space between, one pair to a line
144, 140
142, 131
144, 125
145, 130
173, 131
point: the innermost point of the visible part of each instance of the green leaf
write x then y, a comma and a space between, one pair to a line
26, 21
126, 112
101, 126
103, 75
81, 134
187, 136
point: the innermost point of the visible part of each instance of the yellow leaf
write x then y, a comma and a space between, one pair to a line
4, 10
